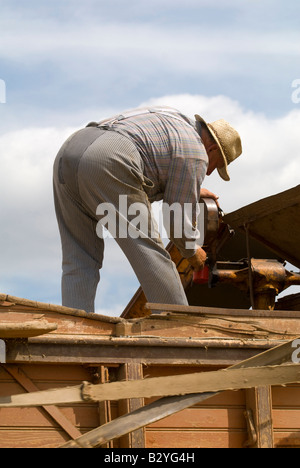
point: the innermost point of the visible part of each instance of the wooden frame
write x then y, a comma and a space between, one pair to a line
115, 349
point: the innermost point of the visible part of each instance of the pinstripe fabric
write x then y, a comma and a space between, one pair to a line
110, 165
168, 146
175, 165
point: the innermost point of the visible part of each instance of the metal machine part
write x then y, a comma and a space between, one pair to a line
261, 279
216, 234
267, 279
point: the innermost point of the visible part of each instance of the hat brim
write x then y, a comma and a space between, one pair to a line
223, 171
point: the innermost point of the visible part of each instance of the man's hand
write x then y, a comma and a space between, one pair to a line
204, 193
197, 261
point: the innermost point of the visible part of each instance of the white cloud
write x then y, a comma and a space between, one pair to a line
30, 245
27, 213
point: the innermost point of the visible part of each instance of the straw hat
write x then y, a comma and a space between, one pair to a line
228, 140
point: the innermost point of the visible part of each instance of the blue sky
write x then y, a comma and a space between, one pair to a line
67, 62
65, 56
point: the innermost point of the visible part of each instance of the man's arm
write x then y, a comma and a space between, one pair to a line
184, 190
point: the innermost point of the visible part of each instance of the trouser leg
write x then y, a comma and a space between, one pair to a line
82, 250
111, 167
155, 271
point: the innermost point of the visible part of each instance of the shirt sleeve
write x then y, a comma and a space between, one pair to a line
181, 202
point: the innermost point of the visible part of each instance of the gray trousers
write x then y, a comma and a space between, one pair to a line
93, 167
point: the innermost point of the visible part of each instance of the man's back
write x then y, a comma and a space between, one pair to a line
162, 137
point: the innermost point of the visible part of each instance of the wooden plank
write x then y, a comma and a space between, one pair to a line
286, 416
171, 405
284, 419
286, 397
274, 221
82, 416
264, 207
17, 303
203, 418
215, 381
187, 325
149, 350
195, 439
259, 400
287, 439
66, 324
104, 406
48, 438
33, 427
201, 382
131, 371
54, 412
59, 375
227, 399
23, 329
290, 302
215, 311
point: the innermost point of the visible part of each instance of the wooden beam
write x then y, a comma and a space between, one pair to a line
149, 350
215, 311
201, 382
131, 371
17, 304
167, 406
12, 330
214, 381
104, 406
259, 401
18, 374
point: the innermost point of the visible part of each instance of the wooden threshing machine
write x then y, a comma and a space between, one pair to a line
222, 372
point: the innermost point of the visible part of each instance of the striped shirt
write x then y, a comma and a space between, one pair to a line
175, 164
